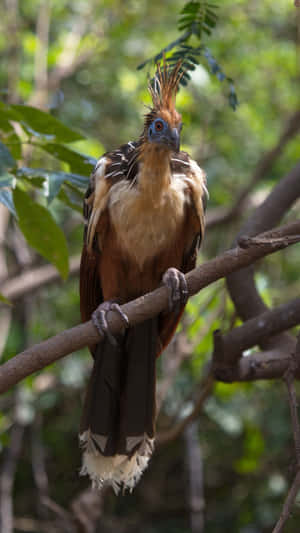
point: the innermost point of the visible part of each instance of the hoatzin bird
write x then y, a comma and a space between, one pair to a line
144, 217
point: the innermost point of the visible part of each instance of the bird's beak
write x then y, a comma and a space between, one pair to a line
175, 139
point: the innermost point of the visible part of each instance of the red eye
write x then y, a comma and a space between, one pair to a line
159, 125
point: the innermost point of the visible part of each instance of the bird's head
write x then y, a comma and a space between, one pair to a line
163, 123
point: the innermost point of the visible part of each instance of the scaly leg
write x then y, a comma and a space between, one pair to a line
99, 319
176, 284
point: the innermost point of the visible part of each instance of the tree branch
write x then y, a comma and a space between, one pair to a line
255, 330
241, 285
147, 306
223, 215
267, 215
288, 504
227, 364
33, 279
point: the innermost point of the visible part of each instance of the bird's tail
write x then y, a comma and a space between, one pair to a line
117, 425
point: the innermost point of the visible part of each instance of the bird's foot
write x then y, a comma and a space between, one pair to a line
99, 319
176, 284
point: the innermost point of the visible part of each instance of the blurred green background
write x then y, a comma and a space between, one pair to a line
78, 60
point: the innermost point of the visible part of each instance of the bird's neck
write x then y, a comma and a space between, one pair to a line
155, 172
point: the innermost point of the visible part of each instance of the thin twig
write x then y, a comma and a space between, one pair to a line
64, 518
246, 242
289, 377
87, 508
7, 478
176, 353
286, 510
195, 485
39, 464
180, 350
206, 389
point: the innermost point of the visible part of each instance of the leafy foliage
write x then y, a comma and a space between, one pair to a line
39, 124
6, 159
41, 231
195, 19
198, 17
16, 184
45, 132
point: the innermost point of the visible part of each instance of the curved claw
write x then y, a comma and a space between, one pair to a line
99, 319
176, 284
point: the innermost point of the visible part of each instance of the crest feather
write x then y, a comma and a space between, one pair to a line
164, 86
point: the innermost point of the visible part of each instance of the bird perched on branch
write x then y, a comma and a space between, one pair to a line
144, 216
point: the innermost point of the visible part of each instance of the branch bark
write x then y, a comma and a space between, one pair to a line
289, 379
33, 279
147, 306
255, 330
223, 215
288, 504
241, 285
246, 299
227, 364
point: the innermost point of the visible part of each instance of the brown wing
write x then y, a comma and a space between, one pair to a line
111, 167
192, 235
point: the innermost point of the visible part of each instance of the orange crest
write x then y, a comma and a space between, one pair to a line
165, 85
163, 89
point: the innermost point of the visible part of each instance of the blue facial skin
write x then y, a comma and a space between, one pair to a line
159, 132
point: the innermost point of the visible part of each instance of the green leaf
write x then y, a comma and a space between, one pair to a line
79, 163
5, 125
54, 179
41, 124
11, 139
6, 159
28, 172
167, 48
14, 144
77, 180
41, 231
7, 200
4, 300
7, 112
191, 7
69, 198
7, 180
